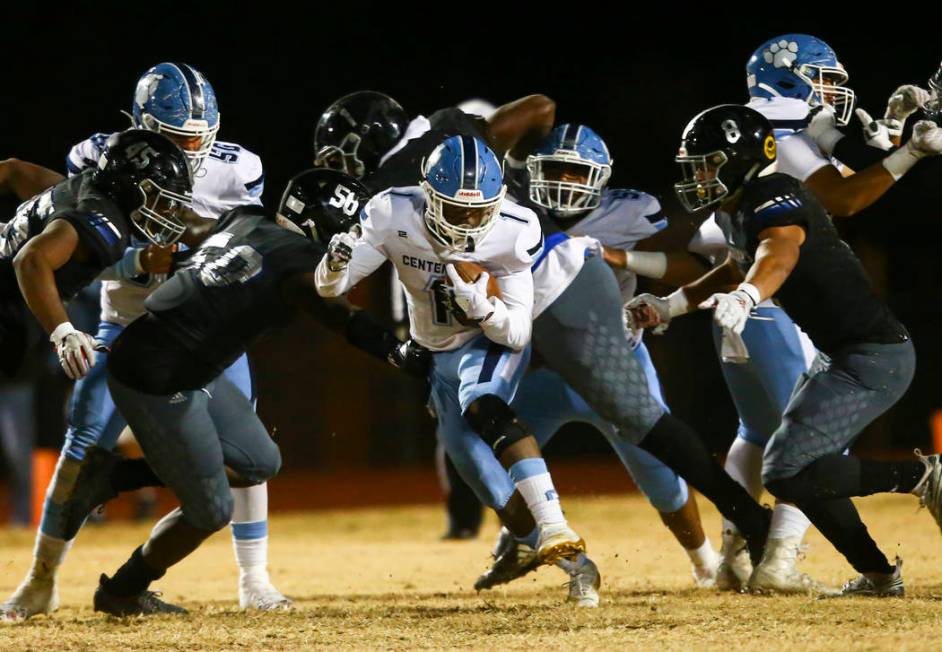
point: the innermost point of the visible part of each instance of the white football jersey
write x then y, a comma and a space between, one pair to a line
230, 176
797, 154
393, 228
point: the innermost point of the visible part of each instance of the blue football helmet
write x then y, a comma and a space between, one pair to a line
801, 67
569, 170
464, 188
175, 99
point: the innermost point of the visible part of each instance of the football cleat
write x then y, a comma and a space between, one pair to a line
33, 597
929, 489
145, 603
512, 559
584, 583
259, 593
735, 566
875, 585
777, 572
558, 541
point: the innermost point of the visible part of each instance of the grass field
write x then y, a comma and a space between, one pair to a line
380, 579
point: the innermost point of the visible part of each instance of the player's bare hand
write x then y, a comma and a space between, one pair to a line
157, 260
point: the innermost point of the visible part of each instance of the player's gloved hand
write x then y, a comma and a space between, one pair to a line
879, 133
412, 358
340, 249
156, 260
470, 298
904, 101
732, 310
76, 350
648, 311
925, 141
822, 129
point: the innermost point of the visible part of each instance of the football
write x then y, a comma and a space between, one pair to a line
470, 272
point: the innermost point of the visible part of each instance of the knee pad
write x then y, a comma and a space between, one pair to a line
495, 422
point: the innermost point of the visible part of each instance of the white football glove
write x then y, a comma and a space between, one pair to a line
648, 311
879, 133
731, 311
822, 129
904, 101
340, 249
925, 141
76, 350
471, 298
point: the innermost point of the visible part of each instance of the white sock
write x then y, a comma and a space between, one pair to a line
250, 529
704, 556
542, 499
535, 484
788, 521
48, 554
744, 465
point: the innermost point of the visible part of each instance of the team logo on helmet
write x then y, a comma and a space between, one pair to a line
781, 54
769, 147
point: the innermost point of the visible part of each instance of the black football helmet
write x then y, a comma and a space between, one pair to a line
722, 149
933, 108
355, 131
319, 203
150, 179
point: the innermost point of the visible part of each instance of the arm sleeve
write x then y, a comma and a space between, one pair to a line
799, 157
511, 323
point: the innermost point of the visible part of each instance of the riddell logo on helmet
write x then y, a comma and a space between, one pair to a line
469, 194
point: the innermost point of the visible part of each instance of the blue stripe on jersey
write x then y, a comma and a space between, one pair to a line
71, 167
255, 187
514, 218
551, 241
469, 161
105, 229
491, 358
535, 248
197, 102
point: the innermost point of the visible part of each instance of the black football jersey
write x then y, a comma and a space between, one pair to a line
221, 296
102, 228
403, 168
828, 293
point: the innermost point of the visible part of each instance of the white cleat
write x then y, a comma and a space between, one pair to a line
558, 541
735, 566
704, 577
929, 488
778, 572
259, 593
33, 597
584, 583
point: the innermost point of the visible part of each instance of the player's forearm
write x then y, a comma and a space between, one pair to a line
37, 282
850, 195
719, 279
516, 128
857, 154
24, 179
128, 267
775, 260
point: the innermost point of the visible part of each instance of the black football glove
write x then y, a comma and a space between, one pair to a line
412, 358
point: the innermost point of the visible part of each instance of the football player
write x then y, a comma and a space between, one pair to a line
567, 182
479, 343
783, 244
176, 100
166, 374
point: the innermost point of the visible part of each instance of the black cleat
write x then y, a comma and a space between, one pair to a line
512, 560
145, 603
92, 488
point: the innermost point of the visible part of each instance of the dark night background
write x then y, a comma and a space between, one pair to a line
637, 80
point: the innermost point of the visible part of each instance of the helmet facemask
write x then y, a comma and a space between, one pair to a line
343, 158
701, 185
447, 217
195, 138
550, 188
159, 216
827, 83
